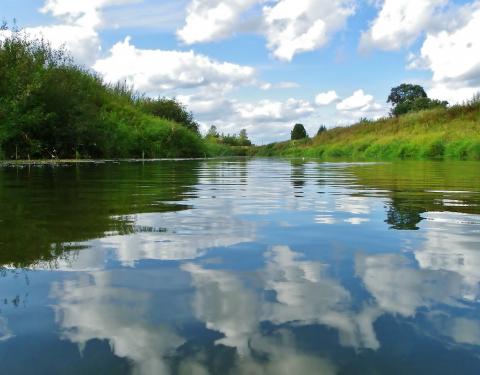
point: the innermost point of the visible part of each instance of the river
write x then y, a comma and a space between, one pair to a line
240, 266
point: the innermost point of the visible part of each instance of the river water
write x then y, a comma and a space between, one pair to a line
240, 266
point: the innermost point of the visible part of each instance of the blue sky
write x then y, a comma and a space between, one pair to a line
264, 65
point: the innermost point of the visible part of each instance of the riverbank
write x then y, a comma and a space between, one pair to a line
452, 133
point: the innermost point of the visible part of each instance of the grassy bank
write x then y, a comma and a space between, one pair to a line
452, 133
51, 108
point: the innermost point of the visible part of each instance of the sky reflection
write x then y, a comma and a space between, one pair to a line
270, 267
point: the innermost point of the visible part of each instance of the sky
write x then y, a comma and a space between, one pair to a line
264, 65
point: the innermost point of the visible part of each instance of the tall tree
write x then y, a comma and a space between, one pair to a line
404, 92
321, 129
243, 138
298, 132
411, 98
213, 132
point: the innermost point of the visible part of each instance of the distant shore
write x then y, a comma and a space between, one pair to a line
436, 134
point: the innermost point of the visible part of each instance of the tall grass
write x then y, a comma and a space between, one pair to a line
451, 133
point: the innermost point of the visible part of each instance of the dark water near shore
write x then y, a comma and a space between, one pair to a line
240, 267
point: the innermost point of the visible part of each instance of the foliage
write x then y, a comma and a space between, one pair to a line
169, 109
411, 98
438, 133
298, 132
51, 108
213, 132
321, 129
240, 140
418, 104
404, 92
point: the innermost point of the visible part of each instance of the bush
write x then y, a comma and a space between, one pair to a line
298, 132
51, 108
169, 109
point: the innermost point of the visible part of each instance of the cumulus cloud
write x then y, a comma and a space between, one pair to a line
294, 26
212, 19
326, 98
267, 110
279, 85
290, 26
77, 30
452, 56
82, 42
153, 71
265, 120
81, 12
357, 106
399, 23
358, 101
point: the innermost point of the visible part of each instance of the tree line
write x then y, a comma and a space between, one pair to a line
240, 139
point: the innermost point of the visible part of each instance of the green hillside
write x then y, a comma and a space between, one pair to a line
51, 108
440, 133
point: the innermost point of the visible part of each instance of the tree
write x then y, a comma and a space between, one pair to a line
321, 129
298, 132
243, 138
411, 98
50, 107
213, 132
404, 92
170, 109
418, 104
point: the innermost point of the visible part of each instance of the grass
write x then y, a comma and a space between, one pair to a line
452, 133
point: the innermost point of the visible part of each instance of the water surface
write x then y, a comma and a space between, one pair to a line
240, 267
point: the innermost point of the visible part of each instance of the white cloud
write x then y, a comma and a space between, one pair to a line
279, 85
267, 110
399, 23
77, 31
5, 34
154, 71
359, 102
82, 42
165, 15
84, 13
326, 98
290, 26
265, 120
294, 26
209, 20
453, 57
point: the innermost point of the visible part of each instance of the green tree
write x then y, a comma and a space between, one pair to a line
418, 104
404, 92
243, 138
321, 129
411, 98
170, 109
50, 107
298, 132
213, 132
